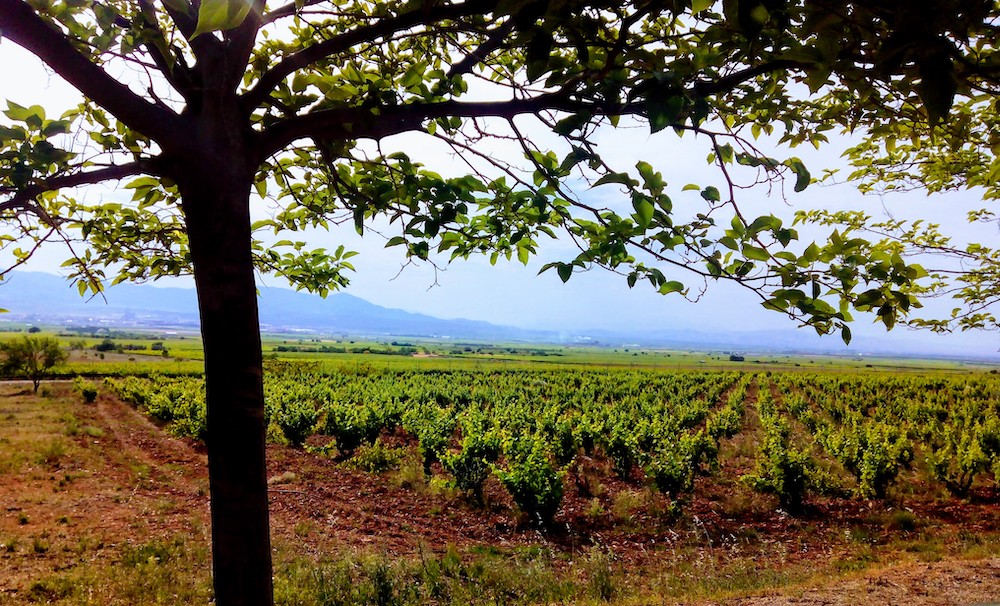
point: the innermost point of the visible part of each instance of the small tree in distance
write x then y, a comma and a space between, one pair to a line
30, 357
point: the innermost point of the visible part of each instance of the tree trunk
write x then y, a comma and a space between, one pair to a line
216, 208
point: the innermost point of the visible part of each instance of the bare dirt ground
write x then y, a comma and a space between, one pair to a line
77, 482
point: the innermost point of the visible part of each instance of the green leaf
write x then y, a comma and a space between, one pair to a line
802, 176
670, 287
565, 271
180, 6
621, 178
810, 254
699, 5
845, 334
643, 210
711, 194
754, 253
217, 15
538, 54
523, 254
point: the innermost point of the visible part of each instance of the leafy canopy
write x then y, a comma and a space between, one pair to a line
313, 88
30, 357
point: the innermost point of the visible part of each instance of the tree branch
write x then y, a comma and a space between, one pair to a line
311, 54
241, 42
364, 123
288, 10
25, 28
21, 200
705, 88
173, 67
492, 43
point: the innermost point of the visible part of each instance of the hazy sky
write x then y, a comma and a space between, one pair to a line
512, 294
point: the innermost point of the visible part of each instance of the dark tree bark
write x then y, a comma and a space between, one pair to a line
215, 179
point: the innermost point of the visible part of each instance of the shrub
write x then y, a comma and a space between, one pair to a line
376, 458
532, 481
87, 390
782, 470
480, 448
296, 419
673, 467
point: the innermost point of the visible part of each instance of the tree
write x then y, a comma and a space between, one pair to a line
231, 103
30, 357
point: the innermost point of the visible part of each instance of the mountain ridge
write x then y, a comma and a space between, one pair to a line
36, 297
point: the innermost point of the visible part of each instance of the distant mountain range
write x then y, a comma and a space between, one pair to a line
31, 296
48, 299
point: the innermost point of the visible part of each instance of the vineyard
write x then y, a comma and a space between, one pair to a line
538, 434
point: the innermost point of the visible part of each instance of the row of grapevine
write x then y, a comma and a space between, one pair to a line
528, 429
872, 427
524, 428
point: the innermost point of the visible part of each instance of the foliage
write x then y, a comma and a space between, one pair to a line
782, 468
965, 445
873, 451
531, 479
87, 390
479, 448
376, 458
30, 357
479, 424
919, 83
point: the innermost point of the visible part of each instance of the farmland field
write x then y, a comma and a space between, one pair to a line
440, 483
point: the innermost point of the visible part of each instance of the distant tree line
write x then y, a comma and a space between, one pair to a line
386, 351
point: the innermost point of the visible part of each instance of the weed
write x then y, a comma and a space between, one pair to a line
22, 518
163, 506
862, 559
50, 590
52, 453
600, 574
39, 545
902, 521
303, 528
72, 424
595, 509
376, 458
626, 504
287, 477
410, 475
150, 553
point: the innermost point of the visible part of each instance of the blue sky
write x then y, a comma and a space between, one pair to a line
512, 294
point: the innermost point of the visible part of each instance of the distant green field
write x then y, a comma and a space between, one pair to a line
128, 352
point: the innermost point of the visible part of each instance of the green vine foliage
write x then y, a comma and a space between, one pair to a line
822, 434
531, 478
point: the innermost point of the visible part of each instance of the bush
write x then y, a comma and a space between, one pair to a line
87, 390
296, 419
376, 458
782, 470
673, 467
471, 466
532, 481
